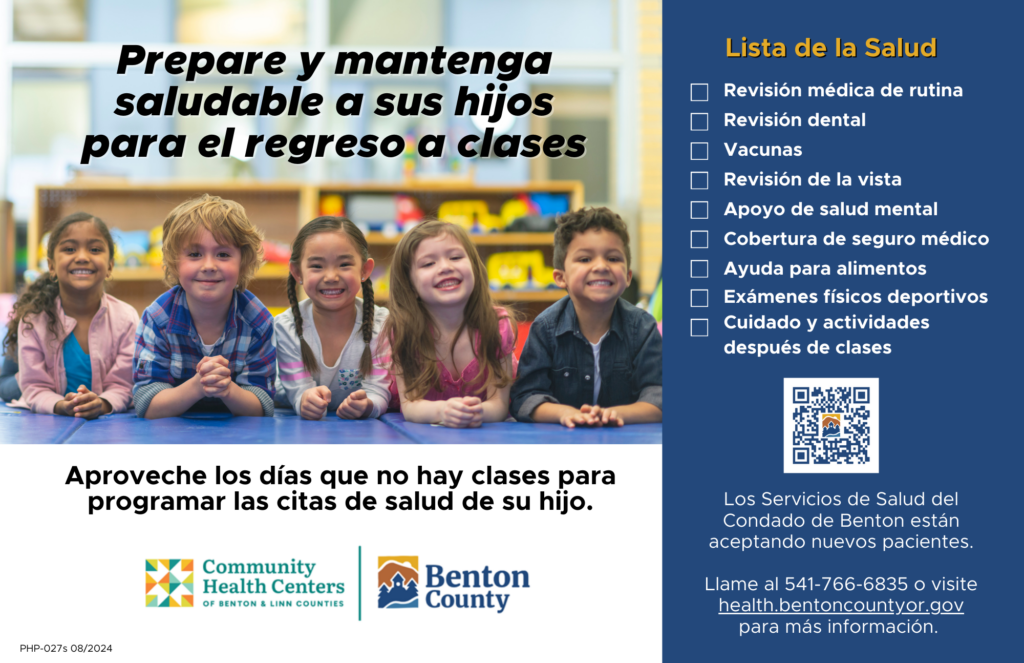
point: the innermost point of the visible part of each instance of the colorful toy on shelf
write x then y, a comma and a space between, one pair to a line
380, 276
473, 215
372, 211
516, 207
41, 254
278, 252
409, 212
409, 157
550, 203
130, 247
332, 204
519, 270
155, 255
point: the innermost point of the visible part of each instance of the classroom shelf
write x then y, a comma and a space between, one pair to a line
280, 209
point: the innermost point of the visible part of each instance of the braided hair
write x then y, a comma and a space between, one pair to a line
41, 296
342, 225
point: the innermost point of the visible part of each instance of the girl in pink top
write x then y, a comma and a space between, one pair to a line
69, 330
450, 347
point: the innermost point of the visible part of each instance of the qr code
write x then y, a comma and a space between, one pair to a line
831, 425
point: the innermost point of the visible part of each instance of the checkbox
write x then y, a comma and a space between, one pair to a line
698, 121
699, 209
698, 326
698, 269
698, 239
699, 299
698, 91
699, 151
698, 180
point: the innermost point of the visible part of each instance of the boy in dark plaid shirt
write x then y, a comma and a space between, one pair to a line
207, 343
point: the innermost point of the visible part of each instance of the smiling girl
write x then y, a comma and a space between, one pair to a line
74, 341
450, 347
325, 344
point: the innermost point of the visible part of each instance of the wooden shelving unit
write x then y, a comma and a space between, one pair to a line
280, 209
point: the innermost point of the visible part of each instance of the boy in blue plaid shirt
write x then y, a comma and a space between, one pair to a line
207, 343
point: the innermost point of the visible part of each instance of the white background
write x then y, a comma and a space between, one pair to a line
595, 576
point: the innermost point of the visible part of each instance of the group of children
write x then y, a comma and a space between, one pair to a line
441, 352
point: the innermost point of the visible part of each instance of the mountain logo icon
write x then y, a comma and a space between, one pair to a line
398, 582
831, 425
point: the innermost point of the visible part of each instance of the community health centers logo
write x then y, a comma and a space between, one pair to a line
398, 580
169, 583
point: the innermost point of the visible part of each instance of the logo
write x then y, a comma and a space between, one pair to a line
169, 583
831, 425
398, 580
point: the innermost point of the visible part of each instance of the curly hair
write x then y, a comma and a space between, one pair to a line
41, 296
226, 221
580, 221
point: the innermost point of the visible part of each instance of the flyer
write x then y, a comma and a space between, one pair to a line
839, 181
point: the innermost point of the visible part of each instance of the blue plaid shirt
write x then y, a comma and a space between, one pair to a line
168, 349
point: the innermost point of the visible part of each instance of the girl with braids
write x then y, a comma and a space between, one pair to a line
450, 347
326, 343
74, 341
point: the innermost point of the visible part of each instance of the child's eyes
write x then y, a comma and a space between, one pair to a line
223, 254
193, 254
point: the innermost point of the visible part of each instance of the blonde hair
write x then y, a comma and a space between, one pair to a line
408, 330
226, 221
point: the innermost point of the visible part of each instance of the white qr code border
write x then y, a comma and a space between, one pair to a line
789, 426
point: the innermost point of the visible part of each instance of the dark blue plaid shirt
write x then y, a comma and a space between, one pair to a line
168, 348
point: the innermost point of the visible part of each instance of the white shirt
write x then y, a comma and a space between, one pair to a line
596, 347
344, 376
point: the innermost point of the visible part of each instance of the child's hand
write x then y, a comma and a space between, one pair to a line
465, 412
602, 417
355, 406
214, 376
314, 403
581, 417
83, 404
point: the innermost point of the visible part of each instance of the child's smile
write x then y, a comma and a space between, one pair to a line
595, 268
441, 272
82, 259
332, 270
208, 269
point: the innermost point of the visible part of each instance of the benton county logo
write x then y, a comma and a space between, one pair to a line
398, 582
831, 425
169, 583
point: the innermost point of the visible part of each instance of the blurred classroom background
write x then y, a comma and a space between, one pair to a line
58, 83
